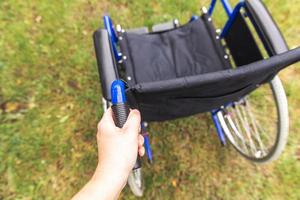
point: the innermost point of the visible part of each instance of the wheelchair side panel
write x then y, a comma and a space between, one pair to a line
241, 42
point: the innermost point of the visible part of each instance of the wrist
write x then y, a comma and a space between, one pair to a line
103, 185
114, 179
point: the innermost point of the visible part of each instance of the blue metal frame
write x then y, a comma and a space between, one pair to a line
212, 6
113, 37
218, 127
194, 17
227, 7
225, 4
147, 143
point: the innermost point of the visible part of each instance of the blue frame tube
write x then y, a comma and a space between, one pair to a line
112, 34
227, 7
118, 92
147, 143
225, 4
212, 6
218, 127
194, 17
110, 29
232, 18
148, 148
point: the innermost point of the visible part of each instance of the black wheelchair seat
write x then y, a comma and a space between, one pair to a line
184, 71
189, 50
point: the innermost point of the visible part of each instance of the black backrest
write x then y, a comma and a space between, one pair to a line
241, 42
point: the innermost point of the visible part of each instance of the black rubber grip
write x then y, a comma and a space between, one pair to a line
120, 115
121, 112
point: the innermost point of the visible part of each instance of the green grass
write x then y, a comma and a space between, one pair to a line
50, 105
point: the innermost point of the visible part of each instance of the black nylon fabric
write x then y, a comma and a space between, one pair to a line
168, 81
185, 51
244, 50
186, 96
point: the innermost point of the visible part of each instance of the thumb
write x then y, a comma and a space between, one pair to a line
107, 121
133, 123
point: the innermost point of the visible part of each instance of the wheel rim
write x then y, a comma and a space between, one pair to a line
137, 177
252, 124
135, 181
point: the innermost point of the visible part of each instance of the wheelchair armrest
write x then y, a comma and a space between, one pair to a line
106, 63
266, 27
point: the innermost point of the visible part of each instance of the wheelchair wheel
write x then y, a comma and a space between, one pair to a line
257, 126
135, 179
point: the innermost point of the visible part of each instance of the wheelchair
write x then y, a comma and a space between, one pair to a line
180, 70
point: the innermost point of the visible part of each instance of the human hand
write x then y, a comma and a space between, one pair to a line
118, 147
117, 154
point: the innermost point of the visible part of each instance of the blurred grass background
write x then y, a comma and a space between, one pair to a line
50, 105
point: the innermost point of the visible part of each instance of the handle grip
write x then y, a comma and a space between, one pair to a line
121, 112
120, 109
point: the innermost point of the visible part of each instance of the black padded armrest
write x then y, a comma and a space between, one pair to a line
106, 63
266, 27
215, 83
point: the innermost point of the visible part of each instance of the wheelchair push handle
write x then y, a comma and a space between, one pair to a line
120, 108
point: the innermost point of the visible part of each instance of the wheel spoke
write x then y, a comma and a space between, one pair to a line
237, 132
257, 125
254, 122
246, 128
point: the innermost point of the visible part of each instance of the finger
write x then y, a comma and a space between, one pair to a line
141, 140
140, 128
133, 122
107, 120
142, 151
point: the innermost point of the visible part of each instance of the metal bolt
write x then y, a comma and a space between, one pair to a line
217, 37
120, 38
124, 57
176, 22
226, 56
204, 10
129, 78
119, 28
145, 124
123, 31
218, 31
209, 19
